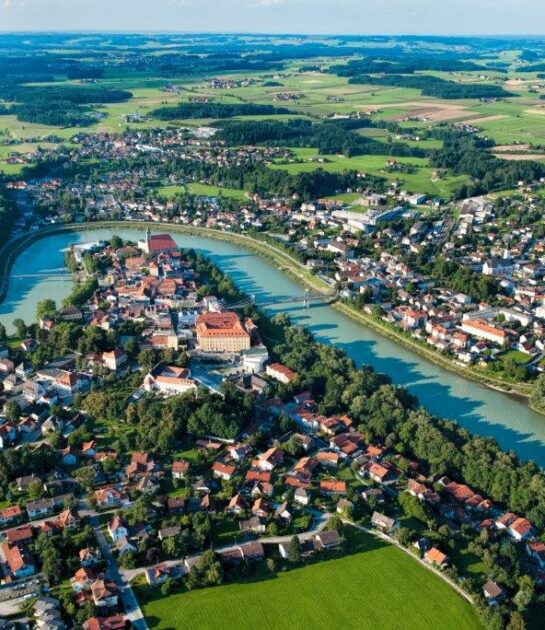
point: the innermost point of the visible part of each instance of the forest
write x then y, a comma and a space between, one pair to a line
463, 153
400, 66
326, 137
216, 110
434, 86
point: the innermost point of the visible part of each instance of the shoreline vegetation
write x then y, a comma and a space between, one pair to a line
295, 270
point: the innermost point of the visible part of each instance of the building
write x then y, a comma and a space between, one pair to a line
158, 244
383, 522
222, 332
484, 330
169, 380
281, 373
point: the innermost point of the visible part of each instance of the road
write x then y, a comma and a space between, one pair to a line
133, 612
319, 523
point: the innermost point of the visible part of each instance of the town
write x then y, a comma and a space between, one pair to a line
279, 482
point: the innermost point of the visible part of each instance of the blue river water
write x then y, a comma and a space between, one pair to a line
479, 409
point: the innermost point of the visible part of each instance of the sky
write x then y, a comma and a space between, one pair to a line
443, 17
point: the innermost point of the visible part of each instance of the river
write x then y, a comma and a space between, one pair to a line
479, 409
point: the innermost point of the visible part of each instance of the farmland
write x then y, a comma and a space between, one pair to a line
421, 177
373, 595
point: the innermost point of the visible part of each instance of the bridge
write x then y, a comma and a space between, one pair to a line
305, 299
45, 276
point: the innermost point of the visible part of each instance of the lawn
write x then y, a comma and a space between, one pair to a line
378, 587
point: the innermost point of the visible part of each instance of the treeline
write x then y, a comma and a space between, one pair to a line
56, 113
78, 95
409, 66
434, 86
216, 110
466, 154
271, 182
60, 106
81, 293
327, 137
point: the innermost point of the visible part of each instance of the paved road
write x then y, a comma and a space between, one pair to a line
320, 522
132, 608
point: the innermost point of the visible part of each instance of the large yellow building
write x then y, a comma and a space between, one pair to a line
222, 332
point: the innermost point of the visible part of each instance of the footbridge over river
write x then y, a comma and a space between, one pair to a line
306, 299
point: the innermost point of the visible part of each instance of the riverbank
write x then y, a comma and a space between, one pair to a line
290, 267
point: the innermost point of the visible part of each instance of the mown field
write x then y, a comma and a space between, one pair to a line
201, 190
423, 179
379, 587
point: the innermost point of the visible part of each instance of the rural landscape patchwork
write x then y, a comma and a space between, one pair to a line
272, 331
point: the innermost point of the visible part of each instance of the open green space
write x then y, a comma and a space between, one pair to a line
201, 190
422, 177
379, 586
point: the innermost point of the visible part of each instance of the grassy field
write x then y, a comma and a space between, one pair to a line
378, 587
422, 179
201, 190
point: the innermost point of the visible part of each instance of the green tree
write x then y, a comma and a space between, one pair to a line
294, 551
20, 327
46, 309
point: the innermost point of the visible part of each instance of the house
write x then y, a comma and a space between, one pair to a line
252, 551
110, 497
436, 557
493, 593
520, 529
373, 494
40, 508
384, 473
281, 373
117, 528
252, 525
332, 486
19, 561
270, 459
169, 532
70, 456
113, 622
104, 593
283, 513
68, 519
301, 496
180, 468
328, 539
23, 483
169, 380
82, 580
17, 535
89, 557
115, 360
223, 471
160, 573
236, 504
175, 505
261, 508
10, 515
383, 522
